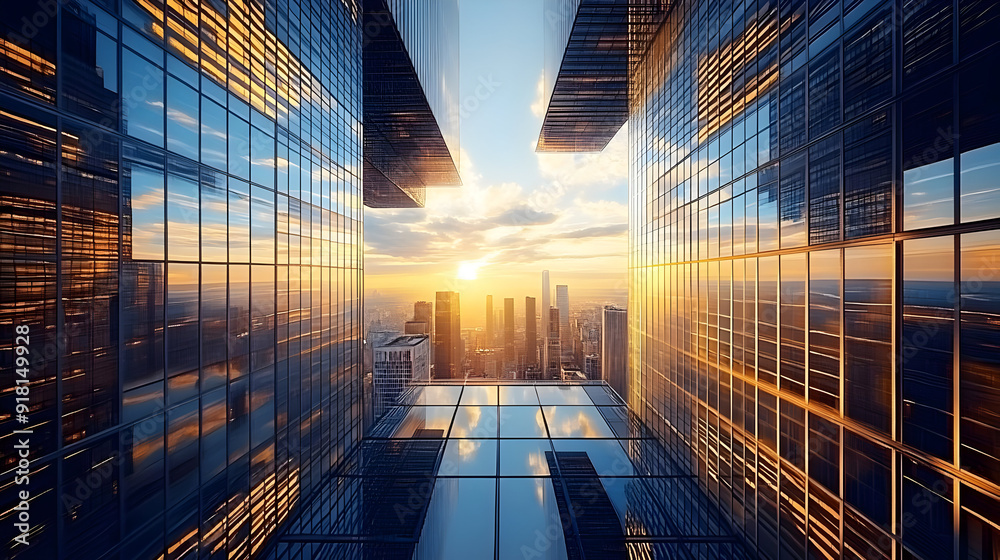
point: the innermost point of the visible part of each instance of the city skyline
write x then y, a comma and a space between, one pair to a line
518, 211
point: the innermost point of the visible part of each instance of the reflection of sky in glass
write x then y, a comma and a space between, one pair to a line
522, 421
524, 457
469, 457
425, 418
530, 526
563, 394
460, 520
479, 395
607, 455
576, 421
436, 395
475, 422
519, 394
928, 195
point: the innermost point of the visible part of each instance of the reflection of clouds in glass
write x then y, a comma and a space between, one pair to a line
540, 420
537, 465
467, 448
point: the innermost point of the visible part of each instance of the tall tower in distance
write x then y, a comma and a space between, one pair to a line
565, 342
546, 304
510, 353
489, 322
553, 364
447, 337
530, 333
614, 349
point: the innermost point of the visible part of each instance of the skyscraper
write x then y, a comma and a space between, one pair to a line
553, 354
397, 364
447, 337
566, 340
180, 225
530, 333
489, 322
546, 304
510, 349
813, 301
614, 349
423, 311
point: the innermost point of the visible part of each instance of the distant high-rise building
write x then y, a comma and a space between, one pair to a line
416, 327
510, 353
447, 337
530, 333
614, 349
592, 366
553, 361
546, 303
397, 363
566, 342
423, 311
489, 321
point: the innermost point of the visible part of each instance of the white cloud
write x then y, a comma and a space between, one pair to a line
539, 104
603, 170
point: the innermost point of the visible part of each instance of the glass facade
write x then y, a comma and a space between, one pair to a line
813, 270
504, 471
180, 229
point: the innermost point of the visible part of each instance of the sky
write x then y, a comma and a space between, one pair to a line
518, 212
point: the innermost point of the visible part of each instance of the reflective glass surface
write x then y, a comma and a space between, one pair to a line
831, 363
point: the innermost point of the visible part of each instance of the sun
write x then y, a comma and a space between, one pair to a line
468, 271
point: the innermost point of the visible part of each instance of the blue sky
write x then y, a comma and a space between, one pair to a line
518, 212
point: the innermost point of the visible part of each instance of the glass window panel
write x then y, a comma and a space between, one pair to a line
524, 457
214, 217
607, 455
262, 157
182, 451
182, 326
824, 327
426, 421
522, 422
262, 317
214, 141
980, 360
142, 98
143, 204
469, 457
824, 190
475, 422
183, 235
926, 356
767, 209
927, 38
793, 202
239, 147
143, 473
517, 394
434, 395
91, 57
867, 477
824, 453
868, 64
530, 522
473, 395
461, 520
262, 224
980, 183
214, 325
868, 177
239, 320
927, 501
262, 406
213, 433
239, 221
793, 323
182, 119
142, 323
562, 394
868, 273
576, 421
824, 92
238, 427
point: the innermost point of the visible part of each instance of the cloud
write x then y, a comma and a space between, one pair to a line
604, 170
600, 231
538, 106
